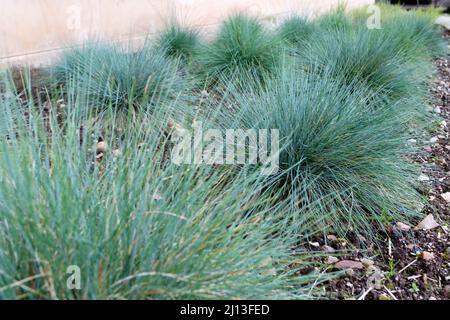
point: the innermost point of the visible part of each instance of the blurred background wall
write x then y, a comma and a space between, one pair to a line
36, 31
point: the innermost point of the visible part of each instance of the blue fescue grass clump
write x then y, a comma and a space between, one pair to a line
119, 77
416, 33
393, 62
296, 31
342, 160
136, 225
243, 48
369, 58
413, 31
381, 60
335, 20
179, 42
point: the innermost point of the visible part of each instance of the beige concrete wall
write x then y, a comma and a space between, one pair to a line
37, 30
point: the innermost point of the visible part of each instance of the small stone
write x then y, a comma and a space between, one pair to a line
314, 244
447, 290
102, 146
331, 237
446, 196
412, 141
427, 256
173, 125
427, 224
367, 262
328, 249
349, 264
350, 272
437, 110
428, 149
403, 226
332, 260
423, 178
434, 139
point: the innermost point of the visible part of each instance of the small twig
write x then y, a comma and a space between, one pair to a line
431, 279
390, 293
409, 265
363, 296
317, 280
